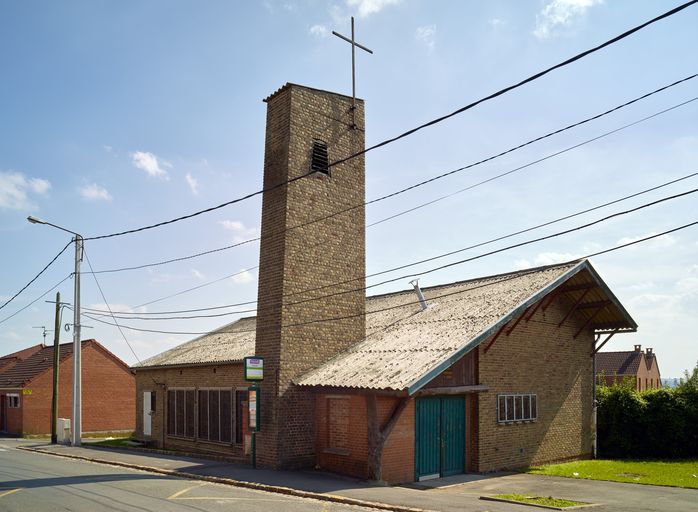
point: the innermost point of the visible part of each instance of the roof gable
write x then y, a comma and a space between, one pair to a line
619, 363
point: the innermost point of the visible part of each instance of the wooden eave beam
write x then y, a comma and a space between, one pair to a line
595, 304
453, 390
577, 287
520, 317
534, 309
589, 320
573, 308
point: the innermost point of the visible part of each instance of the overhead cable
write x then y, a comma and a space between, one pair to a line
441, 267
420, 127
347, 317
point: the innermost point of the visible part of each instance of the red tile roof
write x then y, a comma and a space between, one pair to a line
8, 361
618, 363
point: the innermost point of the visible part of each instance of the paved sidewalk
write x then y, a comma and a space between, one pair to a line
451, 494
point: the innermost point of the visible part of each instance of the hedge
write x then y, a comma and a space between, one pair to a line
661, 423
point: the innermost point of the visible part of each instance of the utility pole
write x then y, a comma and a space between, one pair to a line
56, 360
77, 356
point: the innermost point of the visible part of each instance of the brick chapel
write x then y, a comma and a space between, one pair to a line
473, 376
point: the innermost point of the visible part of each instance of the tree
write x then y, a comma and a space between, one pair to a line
690, 380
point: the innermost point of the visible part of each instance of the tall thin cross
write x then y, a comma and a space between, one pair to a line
354, 44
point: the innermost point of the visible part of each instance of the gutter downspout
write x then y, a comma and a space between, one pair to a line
594, 442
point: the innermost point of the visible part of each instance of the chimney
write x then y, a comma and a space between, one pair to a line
649, 353
420, 295
638, 348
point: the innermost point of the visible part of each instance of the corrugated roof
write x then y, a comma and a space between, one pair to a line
405, 347
228, 344
404, 344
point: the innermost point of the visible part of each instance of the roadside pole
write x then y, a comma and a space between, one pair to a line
56, 360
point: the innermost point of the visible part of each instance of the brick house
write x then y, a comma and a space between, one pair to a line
484, 374
26, 390
638, 366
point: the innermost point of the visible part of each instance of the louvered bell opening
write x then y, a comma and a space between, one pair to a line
320, 160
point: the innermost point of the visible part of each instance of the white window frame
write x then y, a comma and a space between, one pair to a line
519, 414
17, 402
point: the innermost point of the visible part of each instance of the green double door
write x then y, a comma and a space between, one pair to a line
440, 437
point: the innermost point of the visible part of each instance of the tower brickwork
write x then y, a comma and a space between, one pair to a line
302, 260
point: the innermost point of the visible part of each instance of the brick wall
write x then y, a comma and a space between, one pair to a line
107, 395
538, 357
192, 377
351, 458
317, 254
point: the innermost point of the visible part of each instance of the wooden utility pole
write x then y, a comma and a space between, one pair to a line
56, 360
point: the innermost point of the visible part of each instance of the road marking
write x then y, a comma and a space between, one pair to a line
185, 490
179, 495
11, 491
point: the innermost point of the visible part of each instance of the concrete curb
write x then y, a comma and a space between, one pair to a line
538, 505
333, 498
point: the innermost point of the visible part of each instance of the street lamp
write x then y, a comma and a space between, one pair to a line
77, 352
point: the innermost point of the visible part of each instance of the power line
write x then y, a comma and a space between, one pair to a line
418, 128
480, 244
523, 82
38, 298
89, 263
440, 176
459, 262
37, 275
347, 317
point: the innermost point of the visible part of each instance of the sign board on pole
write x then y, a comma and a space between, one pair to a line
253, 401
254, 368
26, 391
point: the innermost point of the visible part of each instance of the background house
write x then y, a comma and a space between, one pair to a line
26, 388
637, 366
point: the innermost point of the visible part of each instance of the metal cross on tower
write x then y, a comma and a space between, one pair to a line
354, 44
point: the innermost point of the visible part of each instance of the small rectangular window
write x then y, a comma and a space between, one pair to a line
320, 160
517, 407
13, 401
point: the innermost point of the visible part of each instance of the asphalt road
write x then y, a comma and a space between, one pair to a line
38, 483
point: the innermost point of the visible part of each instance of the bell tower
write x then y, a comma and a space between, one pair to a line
311, 297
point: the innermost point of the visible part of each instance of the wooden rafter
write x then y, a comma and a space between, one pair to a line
589, 320
494, 338
573, 308
533, 310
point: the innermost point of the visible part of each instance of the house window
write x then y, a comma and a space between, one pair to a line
240, 404
13, 401
181, 412
517, 407
216, 415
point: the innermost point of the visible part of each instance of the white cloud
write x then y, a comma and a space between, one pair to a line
656, 243
94, 192
426, 35
107, 148
39, 185
545, 258
198, 275
150, 163
496, 22
193, 184
116, 308
15, 188
560, 13
242, 232
243, 277
319, 31
367, 7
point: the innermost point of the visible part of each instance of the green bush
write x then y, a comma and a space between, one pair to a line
661, 423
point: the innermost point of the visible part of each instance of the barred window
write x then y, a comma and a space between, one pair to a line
181, 412
216, 415
517, 407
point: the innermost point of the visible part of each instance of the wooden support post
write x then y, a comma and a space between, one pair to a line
604, 342
377, 435
495, 338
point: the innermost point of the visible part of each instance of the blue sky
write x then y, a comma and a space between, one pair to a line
121, 114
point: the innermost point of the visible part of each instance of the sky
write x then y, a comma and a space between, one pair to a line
120, 114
